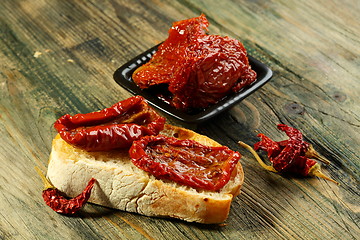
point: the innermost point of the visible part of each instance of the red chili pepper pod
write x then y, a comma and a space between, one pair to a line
288, 159
267, 144
184, 161
292, 133
304, 166
111, 128
289, 156
56, 201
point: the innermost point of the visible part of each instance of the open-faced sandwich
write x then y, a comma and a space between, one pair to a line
143, 165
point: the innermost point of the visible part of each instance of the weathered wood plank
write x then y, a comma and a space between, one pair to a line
58, 57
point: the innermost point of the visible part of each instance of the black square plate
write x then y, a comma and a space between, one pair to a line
123, 76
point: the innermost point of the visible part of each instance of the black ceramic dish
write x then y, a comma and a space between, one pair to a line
123, 77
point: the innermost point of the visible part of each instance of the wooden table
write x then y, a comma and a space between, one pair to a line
58, 57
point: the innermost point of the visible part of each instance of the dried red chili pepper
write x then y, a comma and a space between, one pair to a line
111, 128
289, 156
185, 161
56, 201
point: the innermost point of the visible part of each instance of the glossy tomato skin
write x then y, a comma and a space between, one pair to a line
111, 128
199, 69
185, 161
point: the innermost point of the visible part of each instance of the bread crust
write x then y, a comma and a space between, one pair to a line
123, 186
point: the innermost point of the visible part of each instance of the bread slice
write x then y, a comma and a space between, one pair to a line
121, 185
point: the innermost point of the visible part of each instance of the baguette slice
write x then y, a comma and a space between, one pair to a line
121, 185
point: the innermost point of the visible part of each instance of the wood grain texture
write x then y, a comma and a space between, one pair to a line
58, 57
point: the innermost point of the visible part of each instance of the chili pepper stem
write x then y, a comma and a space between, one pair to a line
257, 157
311, 153
316, 171
46, 182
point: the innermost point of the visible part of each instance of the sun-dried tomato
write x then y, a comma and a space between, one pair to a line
111, 128
185, 161
198, 69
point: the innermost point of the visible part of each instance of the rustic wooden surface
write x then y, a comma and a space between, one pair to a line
58, 57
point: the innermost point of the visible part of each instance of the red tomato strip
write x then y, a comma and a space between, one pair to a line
111, 128
185, 161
